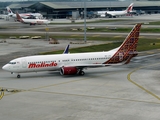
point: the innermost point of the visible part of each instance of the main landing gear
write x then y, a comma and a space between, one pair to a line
81, 72
18, 76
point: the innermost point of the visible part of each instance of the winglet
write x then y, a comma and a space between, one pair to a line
66, 49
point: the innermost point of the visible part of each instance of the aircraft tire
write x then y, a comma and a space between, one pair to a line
18, 76
81, 73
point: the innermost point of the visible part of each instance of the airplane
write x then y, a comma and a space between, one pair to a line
115, 13
74, 63
23, 15
32, 21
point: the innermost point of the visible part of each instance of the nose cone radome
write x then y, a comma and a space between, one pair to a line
5, 67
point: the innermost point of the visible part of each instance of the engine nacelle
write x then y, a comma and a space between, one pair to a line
68, 71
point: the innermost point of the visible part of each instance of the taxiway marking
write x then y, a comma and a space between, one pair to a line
2, 94
129, 78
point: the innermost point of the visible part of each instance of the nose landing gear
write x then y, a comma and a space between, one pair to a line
18, 76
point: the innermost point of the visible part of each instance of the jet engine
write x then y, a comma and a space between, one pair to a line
68, 71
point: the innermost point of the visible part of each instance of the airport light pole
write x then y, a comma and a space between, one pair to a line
85, 21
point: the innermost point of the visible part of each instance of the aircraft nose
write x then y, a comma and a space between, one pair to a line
5, 67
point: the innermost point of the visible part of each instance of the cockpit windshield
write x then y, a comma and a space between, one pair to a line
12, 63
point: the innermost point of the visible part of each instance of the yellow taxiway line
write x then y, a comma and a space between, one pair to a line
129, 79
1, 95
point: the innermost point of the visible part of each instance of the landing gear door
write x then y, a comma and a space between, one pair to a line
24, 63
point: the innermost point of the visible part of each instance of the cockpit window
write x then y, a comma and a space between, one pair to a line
12, 63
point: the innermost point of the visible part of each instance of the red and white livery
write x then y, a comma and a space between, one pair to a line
24, 15
32, 21
70, 64
116, 13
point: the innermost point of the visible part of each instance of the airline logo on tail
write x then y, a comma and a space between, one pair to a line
19, 17
128, 48
10, 13
9, 10
130, 7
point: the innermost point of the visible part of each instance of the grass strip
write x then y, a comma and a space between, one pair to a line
143, 45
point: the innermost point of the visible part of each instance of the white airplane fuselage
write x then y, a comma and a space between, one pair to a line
32, 21
112, 13
55, 62
115, 13
36, 21
24, 15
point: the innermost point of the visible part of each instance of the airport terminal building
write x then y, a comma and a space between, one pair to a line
74, 9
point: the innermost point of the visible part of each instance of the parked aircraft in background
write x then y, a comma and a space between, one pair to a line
3, 16
115, 13
24, 15
71, 64
32, 21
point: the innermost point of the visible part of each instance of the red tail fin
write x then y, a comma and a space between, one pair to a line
127, 50
130, 7
19, 17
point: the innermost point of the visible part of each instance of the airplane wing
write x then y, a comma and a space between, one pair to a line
85, 65
91, 65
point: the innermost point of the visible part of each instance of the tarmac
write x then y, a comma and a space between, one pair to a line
121, 92
127, 92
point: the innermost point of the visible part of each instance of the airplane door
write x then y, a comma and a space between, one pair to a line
24, 63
